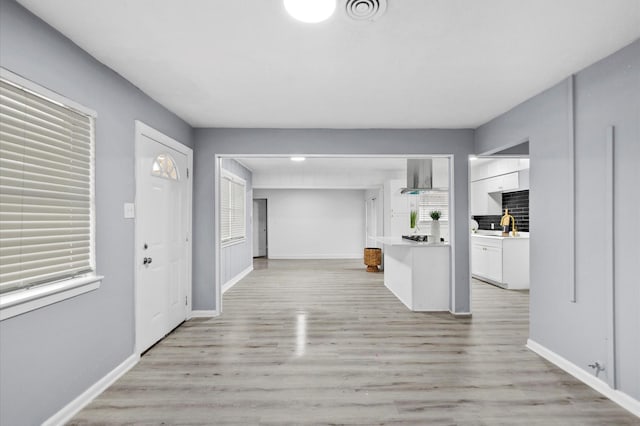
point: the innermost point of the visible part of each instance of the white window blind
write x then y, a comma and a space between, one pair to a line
232, 207
430, 201
46, 190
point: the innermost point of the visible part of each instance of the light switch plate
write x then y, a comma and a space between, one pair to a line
129, 210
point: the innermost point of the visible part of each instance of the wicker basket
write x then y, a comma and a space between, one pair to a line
372, 258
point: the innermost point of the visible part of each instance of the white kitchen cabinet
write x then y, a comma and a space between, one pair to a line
417, 273
502, 166
503, 261
486, 259
484, 168
440, 173
523, 179
482, 201
502, 183
397, 208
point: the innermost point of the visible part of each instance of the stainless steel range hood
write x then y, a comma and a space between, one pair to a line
419, 175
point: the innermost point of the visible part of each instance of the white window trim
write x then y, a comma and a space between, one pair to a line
21, 301
25, 300
233, 242
226, 173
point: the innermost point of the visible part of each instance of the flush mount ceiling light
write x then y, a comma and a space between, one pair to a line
310, 11
298, 159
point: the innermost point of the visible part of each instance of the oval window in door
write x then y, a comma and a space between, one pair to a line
164, 166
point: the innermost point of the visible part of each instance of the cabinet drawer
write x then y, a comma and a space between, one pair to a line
487, 242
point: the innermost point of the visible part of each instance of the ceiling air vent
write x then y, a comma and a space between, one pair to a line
366, 10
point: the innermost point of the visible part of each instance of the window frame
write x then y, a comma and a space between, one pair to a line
22, 300
427, 219
228, 175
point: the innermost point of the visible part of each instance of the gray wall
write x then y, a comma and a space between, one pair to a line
606, 93
51, 355
238, 257
211, 142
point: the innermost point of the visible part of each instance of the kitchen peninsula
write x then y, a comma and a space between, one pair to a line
417, 273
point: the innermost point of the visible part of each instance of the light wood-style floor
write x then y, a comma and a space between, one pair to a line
324, 342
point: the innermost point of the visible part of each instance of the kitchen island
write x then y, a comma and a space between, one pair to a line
417, 273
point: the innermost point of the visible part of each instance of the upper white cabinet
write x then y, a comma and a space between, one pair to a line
491, 177
523, 179
484, 168
508, 182
440, 173
483, 201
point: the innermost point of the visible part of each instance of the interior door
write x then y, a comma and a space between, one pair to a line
259, 227
162, 236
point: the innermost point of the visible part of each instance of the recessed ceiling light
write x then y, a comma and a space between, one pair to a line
298, 158
310, 11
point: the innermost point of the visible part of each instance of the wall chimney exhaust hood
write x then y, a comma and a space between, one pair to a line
419, 175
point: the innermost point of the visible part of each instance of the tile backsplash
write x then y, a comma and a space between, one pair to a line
518, 205
484, 222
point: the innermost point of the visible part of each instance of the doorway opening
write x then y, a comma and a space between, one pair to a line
260, 229
499, 219
328, 207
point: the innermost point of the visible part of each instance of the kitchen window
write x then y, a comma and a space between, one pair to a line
232, 208
47, 244
430, 201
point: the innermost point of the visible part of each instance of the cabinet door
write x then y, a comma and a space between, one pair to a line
509, 182
493, 263
478, 198
502, 166
502, 183
523, 179
440, 173
482, 202
478, 260
399, 201
400, 224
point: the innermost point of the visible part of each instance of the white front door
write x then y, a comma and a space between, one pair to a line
162, 239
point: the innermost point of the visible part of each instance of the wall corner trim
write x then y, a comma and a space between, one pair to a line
74, 407
235, 280
622, 399
571, 230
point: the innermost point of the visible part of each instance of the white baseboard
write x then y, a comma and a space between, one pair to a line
316, 256
620, 398
233, 281
74, 407
204, 314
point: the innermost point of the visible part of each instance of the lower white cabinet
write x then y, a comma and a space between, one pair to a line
503, 261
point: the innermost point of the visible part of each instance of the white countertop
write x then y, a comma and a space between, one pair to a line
399, 241
497, 235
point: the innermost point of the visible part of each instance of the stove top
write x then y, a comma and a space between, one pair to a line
416, 237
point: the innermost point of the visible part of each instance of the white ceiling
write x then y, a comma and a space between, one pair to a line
424, 64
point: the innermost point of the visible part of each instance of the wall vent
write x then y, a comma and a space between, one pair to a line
366, 10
